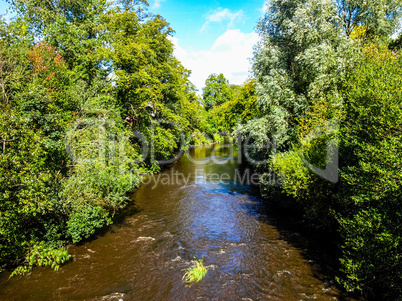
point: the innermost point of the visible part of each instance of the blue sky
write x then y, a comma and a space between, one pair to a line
211, 36
3, 7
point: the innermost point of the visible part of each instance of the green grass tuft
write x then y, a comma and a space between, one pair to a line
195, 273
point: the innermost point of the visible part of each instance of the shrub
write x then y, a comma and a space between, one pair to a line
41, 255
371, 195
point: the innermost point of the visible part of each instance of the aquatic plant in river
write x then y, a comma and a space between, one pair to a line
195, 273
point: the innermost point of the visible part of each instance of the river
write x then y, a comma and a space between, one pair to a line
198, 207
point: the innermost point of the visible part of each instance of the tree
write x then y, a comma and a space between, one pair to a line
151, 84
216, 91
27, 189
371, 220
305, 52
14, 45
302, 57
72, 27
380, 18
240, 109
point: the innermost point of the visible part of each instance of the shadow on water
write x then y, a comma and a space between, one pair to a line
319, 248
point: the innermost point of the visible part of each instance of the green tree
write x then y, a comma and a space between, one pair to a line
370, 172
380, 18
14, 45
305, 52
302, 57
240, 109
72, 27
151, 84
309, 69
28, 188
216, 91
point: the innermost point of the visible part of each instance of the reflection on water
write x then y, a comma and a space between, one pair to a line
205, 213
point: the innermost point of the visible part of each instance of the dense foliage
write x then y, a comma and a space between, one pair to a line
216, 91
370, 194
91, 98
228, 105
329, 95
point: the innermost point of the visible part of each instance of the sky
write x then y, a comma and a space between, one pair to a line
211, 36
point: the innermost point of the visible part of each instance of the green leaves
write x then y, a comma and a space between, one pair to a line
216, 91
84, 221
41, 255
27, 187
371, 129
239, 107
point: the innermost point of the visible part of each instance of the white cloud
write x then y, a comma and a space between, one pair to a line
229, 55
6, 18
398, 31
222, 15
265, 7
157, 3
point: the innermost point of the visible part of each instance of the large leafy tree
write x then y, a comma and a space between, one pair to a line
302, 56
305, 51
151, 84
216, 91
72, 27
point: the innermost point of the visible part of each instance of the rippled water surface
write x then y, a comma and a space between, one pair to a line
182, 213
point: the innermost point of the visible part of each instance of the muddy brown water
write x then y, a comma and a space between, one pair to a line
182, 213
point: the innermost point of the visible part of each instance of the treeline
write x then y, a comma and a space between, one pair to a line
328, 81
91, 98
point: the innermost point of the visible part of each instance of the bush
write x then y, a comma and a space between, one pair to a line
198, 139
371, 194
41, 255
84, 221
27, 187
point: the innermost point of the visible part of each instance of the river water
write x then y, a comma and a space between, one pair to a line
200, 208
